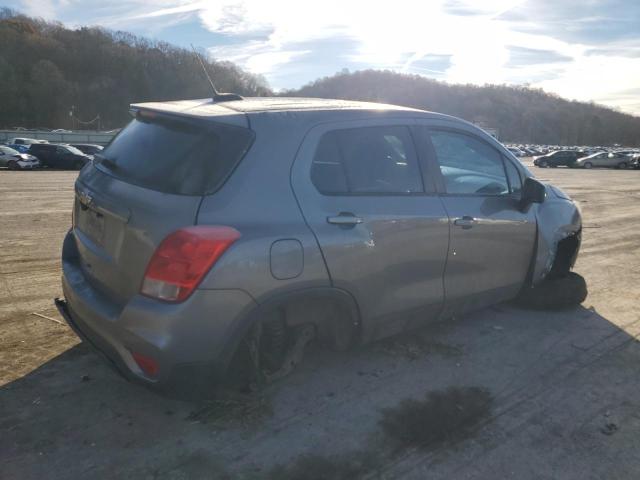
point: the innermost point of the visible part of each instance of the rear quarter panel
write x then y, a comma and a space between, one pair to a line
259, 202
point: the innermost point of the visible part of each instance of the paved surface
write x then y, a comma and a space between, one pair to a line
564, 386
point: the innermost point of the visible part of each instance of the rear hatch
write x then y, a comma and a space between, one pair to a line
147, 183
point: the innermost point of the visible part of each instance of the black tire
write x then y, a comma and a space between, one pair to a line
12, 165
78, 165
543, 164
555, 293
588, 165
622, 165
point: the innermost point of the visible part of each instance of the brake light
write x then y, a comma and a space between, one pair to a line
183, 258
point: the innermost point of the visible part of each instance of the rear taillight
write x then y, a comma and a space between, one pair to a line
183, 258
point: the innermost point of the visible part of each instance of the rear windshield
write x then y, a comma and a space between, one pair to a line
175, 156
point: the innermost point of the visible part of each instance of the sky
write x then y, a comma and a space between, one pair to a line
587, 50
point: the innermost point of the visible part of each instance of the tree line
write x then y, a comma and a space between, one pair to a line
46, 70
520, 114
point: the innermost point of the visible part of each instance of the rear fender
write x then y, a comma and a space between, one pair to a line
290, 302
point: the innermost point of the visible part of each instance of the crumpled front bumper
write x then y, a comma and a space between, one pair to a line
558, 218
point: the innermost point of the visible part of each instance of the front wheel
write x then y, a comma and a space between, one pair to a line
13, 165
622, 165
555, 293
543, 164
588, 165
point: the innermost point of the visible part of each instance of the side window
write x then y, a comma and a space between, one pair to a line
515, 180
468, 165
372, 160
327, 170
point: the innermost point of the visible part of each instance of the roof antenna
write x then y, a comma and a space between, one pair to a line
217, 96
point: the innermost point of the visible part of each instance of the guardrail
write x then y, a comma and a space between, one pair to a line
82, 136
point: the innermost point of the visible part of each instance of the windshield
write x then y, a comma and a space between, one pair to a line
175, 156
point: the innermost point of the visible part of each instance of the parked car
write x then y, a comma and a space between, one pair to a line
88, 148
14, 160
605, 159
531, 152
565, 158
516, 151
59, 156
209, 236
25, 141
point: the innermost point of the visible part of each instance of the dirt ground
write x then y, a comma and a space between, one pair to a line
530, 394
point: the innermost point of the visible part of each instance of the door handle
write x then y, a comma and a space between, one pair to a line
465, 222
344, 218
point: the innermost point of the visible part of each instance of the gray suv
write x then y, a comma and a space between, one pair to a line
211, 237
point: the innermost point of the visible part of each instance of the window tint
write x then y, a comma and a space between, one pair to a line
468, 165
327, 170
515, 181
173, 156
366, 161
38, 147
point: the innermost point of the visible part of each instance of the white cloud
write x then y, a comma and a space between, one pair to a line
257, 57
40, 8
385, 35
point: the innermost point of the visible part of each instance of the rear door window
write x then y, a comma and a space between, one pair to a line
371, 160
174, 155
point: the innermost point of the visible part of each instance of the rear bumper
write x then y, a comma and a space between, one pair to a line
191, 342
92, 339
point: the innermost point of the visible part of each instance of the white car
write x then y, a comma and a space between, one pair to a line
14, 160
25, 141
604, 159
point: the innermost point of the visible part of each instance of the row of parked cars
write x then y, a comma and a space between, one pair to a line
575, 157
29, 154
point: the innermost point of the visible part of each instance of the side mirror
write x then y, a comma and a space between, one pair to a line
533, 191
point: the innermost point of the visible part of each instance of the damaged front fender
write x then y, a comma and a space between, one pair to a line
559, 235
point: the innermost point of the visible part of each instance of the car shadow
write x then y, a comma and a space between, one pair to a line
566, 380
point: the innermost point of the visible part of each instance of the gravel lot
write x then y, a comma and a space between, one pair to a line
560, 391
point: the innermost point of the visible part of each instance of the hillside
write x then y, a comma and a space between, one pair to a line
45, 69
520, 114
